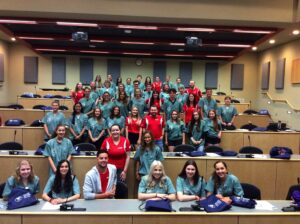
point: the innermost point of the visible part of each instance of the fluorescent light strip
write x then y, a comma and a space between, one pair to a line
95, 52
179, 55
235, 45
137, 27
130, 53
45, 49
133, 42
195, 29
219, 56
252, 31
97, 41
36, 38
177, 44
61, 23
18, 21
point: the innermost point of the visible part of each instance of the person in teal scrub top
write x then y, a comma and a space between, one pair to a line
116, 118
189, 184
212, 129
227, 114
156, 185
195, 131
63, 187
105, 104
87, 102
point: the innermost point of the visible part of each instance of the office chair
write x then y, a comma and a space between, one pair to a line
38, 107
291, 190
184, 148
62, 107
121, 190
235, 101
249, 111
2, 186
250, 150
88, 148
15, 106
221, 94
11, 146
213, 149
251, 191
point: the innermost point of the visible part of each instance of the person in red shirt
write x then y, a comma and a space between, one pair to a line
194, 90
189, 108
118, 148
155, 100
133, 124
155, 124
78, 93
157, 85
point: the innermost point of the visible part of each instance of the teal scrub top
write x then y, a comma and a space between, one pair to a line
11, 183
58, 151
175, 130
87, 104
119, 121
110, 90
230, 187
147, 95
207, 105
177, 86
184, 186
96, 127
80, 123
129, 90
209, 128
164, 96
52, 120
142, 86
169, 106
181, 98
105, 108
197, 134
168, 187
139, 103
62, 194
123, 108
94, 95
146, 158
227, 113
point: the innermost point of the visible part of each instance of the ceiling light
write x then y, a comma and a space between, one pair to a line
36, 38
254, 48
92, 46
76, 24
133, 42
235, 45
219, 56
252, 31
13, 39
95, 52
97, 41
137, 27
177, 44
296, 32
272, 41
13, 21
128, 31
191, 29
46, 49
179, 55
131, 53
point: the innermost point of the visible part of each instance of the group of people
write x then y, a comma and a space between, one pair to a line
101, 182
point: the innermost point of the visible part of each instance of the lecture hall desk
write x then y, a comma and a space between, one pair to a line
28, 103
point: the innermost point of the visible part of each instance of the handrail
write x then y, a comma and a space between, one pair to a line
281, 101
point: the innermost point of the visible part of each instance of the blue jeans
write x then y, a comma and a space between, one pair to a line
160, 144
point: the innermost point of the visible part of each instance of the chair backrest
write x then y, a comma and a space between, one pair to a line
213, 149
184, 148
235, 101
38, 107
62, 107
2, 186
251, 150
85, 147
221, 93
121, 190
291, 190
15, 106
251, 191
11, 146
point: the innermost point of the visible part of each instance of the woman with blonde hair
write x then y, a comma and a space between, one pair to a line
156, 185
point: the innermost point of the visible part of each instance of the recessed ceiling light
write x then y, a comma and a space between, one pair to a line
62, 23
272, 41
252, 31
219, 56
254, 48
235, 45
128, 31
195, 29
92, 46
137, 27
296, 32
177, 44
13, 39
178, 55
133, 53
94, 52
36, 38
14, 21
136, 42
49, 49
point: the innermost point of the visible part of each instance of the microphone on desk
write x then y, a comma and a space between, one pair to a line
15, 133
249, 140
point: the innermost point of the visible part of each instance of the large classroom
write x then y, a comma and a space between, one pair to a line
248, 50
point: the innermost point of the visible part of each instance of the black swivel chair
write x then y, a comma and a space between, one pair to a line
2, 186
291, 190
88, 148
11, 146
251, 191
121, 190
184, 148
250, 150
62, 107
221, 93
213, 149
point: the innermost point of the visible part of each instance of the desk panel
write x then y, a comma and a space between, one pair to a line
268, 219
10, 219
232, 140
28, 103
10, 134
32, 138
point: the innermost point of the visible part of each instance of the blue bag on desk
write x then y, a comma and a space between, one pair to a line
243, 202
279, 152
196, 153
20, 197
213, 204
162, 205
14, 122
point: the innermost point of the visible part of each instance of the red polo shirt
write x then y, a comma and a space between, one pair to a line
154, 125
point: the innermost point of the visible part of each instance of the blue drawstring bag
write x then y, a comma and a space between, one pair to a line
14, 122
279, 152
20, 197
214, 204
228, 153
243, 202
162, 205
196, 153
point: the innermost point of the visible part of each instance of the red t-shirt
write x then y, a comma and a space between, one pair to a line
154, 125
117, 153
196, 92
77, 96
104, 180
188, 112
133, 125
156, 86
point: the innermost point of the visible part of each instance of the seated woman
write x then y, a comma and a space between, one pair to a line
195, 131
24, 178
222, 183
156, 185
189, 184
63, 187
213, 129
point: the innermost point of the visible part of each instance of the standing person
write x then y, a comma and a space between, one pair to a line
78, 123
189, 184
194, 90
122, 103
156, 185
171, 104
164, 94
174, 134
223, 184
98, 82
118, 148
148, 81
110, 79
120, 89
100, 182
62, 187
168, 82
129, 88
195, 131
155, 101
148, 92
24, 178
88, 103
94, 92
178, 84
227, 114
116, 118
189, 108
96, 127
181, 95
52, 119
207, 103
105, 104
133, 127
141, 84
107, 88
58, 148
138, 101
157, 85
212, 129
78, 93
145, 155
155, 124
